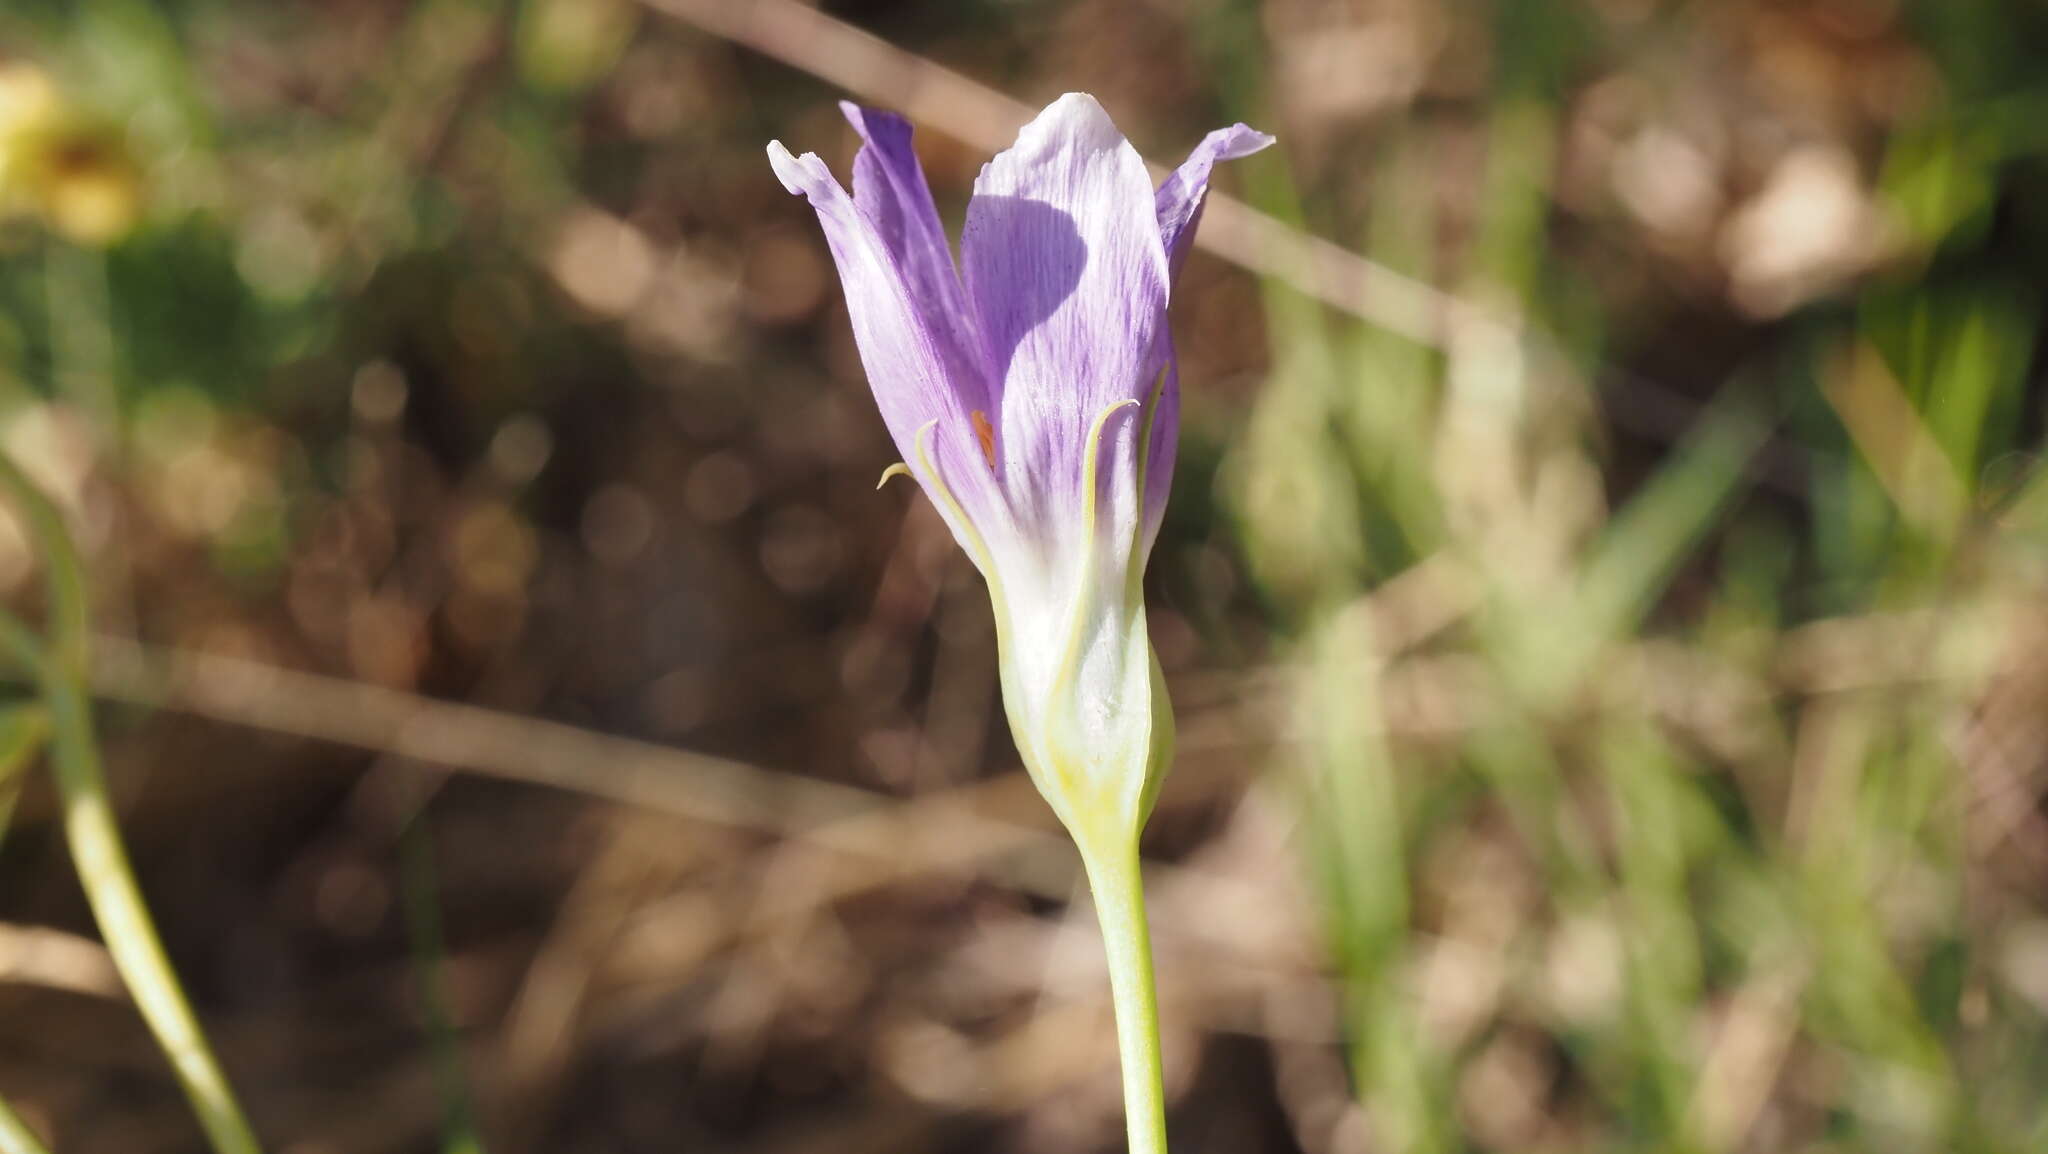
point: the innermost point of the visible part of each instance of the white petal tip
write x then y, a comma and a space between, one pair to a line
1241, 140
1074, 121
795, 172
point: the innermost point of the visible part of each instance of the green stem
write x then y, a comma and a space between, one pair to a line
15, 1136
1115, 880
116, 900
429, 951
96, 849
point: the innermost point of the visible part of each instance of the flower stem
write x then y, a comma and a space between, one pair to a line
1114, 878
15, 1136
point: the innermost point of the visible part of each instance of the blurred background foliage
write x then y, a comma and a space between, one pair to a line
1618, 722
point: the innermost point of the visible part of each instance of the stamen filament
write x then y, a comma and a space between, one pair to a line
977, 548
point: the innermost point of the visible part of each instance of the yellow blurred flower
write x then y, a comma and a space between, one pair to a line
61, 164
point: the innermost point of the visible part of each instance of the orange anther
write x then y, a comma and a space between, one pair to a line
986, 434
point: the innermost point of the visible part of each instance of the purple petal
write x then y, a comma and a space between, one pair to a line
1178, 205
1067, 276
914, 378
889, 186
1182, 194
1164, 441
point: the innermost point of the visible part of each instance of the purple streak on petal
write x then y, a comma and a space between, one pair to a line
1067, 277
914, 381
889, 186
1183, 193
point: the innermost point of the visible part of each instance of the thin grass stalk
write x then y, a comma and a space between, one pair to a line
97, 850
15, 1136
23, 730
421, 893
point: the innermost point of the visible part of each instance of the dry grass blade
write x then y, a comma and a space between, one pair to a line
947, 830
889, 839
54, 959
658, 778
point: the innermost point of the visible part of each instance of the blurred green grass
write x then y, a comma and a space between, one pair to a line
1799, 934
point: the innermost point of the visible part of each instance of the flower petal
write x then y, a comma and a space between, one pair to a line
1162, 437
1182, 194
889, 186
915, 380
1179, 204
1067, 275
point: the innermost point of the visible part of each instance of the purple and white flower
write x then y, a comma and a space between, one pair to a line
1033, 393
